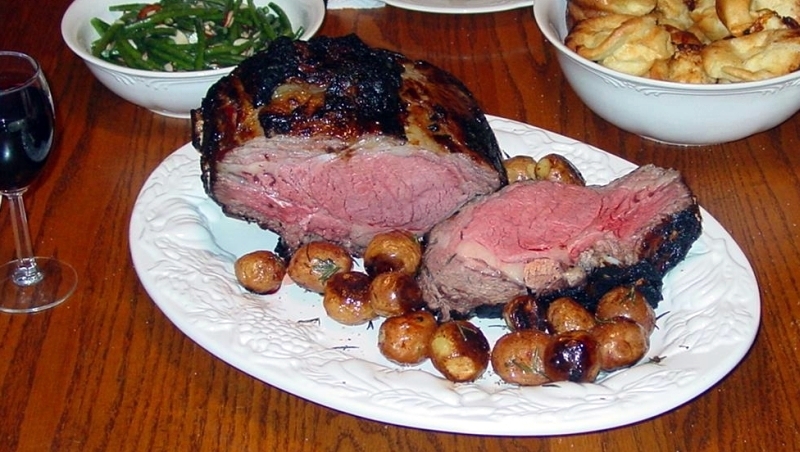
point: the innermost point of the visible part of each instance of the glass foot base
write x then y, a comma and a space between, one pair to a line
58, 281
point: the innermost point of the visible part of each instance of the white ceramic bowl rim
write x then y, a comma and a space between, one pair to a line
549, 30
70, 27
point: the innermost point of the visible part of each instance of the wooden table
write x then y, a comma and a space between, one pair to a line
107, 371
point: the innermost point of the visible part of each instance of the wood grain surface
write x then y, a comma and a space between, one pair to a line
107, 371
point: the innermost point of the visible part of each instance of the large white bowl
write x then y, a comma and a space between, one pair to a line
670, 112
166, 93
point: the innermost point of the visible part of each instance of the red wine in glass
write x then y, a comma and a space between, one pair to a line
27, 283
26, 132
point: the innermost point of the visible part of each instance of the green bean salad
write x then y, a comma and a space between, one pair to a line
188, 35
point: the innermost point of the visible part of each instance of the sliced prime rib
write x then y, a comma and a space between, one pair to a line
332, 139
552, 239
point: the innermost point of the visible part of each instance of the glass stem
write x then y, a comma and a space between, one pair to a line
27, 272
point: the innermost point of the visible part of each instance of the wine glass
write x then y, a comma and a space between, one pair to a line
28, 283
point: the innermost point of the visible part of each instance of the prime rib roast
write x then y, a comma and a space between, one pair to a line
551, 239
332, 139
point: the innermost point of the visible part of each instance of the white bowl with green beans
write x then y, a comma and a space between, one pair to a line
163, 55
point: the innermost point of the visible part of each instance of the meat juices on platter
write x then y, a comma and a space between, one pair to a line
333, 140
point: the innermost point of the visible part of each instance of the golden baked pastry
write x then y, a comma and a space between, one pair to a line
735, 15
629, 44
686, 63
740, 15
583, 9
707, 22
684, 66
757, 56
770, 20
688, 41
675, 13
784, 8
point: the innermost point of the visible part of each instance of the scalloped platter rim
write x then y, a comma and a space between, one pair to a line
183, 248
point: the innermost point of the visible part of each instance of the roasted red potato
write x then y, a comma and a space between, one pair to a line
460, 351
518, 357
572, 356
627, 301
395, 293
346, 298
406, 339
519, 168
260, 272
621, 341
557, 168
565, 314
522, 313
314, 263
393, 251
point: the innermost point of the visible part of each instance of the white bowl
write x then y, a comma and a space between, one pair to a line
670, 112
171, 94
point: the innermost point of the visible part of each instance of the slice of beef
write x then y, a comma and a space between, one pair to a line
552, 239
332, 139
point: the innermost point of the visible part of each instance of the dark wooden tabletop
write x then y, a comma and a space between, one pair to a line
107, 371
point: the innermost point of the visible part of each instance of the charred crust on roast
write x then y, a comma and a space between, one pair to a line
283, 250
384, 120
355, 90
643, 276
359, 90
460, 130
667, 244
